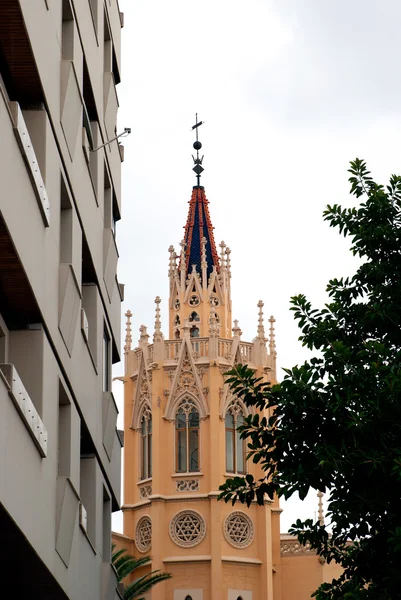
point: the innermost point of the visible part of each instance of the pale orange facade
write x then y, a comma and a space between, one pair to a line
181, 442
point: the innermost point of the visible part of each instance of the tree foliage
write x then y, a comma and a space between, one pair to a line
125, 564
336, 424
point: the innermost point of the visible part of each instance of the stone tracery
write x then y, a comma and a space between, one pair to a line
187, 528
238, 529
143, 534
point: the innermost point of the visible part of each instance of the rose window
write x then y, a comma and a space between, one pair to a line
238, 529
143, 536
214, 301
187, 528
194, 300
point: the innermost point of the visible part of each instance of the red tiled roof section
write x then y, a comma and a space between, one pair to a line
199, 225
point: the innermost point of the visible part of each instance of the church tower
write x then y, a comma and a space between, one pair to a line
181, 442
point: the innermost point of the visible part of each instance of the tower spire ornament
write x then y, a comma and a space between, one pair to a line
320, 508
157, 317
128, 336
272, 341
261, 329
197, 145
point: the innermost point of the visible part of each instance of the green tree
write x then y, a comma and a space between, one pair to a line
125, 564
336, 424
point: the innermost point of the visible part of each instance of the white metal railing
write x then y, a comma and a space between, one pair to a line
25, 407
26, 146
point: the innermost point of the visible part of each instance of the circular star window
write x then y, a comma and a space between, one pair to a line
187, 528
143, 534
238, 529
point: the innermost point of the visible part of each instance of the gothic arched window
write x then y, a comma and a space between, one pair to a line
187, 437
177, 320
194, 332
146, 444
235, 446
190, 598
194, 316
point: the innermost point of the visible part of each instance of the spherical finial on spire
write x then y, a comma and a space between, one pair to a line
197, 145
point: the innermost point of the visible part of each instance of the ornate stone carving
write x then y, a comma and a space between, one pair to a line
238, 529
145, 490
213, 300
187, 485
143, 534
186, 379
202, 371
294, 547
235, 408
187, 405
194, 300
187, 528
144, 393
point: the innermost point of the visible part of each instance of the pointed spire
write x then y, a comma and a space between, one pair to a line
272, 342
261, 328
172, 264
144, 336
128, 335
204, 262
213, 324
228, 261
157, 318
236, 330
320, 508
182, 264
197, 227
185, 328
223, 254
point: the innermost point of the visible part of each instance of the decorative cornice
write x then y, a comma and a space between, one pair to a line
188, 559
241, 560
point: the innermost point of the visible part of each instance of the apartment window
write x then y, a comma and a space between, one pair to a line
2, 346
146, 444
107, 47
64, 433
106, 360
87, 484
235, 446
93, 5
187, 437
66, 225
106, 526
67, 39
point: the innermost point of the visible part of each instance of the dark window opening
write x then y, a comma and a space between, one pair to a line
187, 439
106, 360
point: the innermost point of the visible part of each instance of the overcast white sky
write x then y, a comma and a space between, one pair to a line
290, 92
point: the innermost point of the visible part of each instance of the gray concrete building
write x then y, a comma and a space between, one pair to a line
59, 296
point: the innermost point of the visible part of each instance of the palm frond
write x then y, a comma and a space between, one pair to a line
144, 584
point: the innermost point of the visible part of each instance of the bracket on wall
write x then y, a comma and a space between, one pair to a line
127, 131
